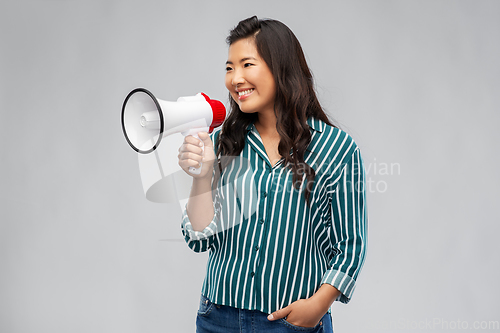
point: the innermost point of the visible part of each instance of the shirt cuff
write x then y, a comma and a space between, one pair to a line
343, 282
192, 235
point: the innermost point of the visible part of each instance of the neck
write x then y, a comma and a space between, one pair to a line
266, 124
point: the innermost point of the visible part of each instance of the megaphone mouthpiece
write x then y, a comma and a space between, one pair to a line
150, 120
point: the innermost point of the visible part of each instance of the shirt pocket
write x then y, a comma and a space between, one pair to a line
293, 328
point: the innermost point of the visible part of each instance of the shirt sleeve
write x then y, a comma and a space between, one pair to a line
201, 241
349, 226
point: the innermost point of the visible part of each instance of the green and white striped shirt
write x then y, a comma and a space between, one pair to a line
267, 246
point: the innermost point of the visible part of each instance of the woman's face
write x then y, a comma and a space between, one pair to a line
249, 79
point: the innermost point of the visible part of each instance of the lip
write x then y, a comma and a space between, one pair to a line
243, 97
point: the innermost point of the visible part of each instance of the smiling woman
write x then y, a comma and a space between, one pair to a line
281, 210
249, 79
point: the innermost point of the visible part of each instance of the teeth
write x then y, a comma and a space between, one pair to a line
241, 93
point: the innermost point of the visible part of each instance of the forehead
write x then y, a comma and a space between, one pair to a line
243, 48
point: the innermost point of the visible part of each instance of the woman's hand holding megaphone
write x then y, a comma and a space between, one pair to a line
200, 208
192, 154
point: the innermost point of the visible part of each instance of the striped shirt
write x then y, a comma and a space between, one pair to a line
267, 246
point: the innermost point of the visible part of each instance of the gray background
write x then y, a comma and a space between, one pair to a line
416, 83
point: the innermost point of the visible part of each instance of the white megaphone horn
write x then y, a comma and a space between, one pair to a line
147, 119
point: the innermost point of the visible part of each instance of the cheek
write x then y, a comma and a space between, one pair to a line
228, 82
270, 81
272, 87
230, 88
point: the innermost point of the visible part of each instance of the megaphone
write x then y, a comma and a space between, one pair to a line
147, 119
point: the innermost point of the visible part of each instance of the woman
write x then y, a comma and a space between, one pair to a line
282, 211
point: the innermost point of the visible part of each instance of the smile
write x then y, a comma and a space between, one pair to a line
245, 93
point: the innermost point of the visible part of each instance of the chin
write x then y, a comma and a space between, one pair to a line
246, 109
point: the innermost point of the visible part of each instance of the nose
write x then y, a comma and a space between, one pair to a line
237, 78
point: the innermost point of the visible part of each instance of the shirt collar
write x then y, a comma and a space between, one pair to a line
313, 123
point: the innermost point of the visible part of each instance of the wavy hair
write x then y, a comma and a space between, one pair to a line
295, 99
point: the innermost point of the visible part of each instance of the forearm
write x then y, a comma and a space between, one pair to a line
200, 208
324, 297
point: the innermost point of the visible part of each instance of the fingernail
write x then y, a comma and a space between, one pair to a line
201, 144
270, 317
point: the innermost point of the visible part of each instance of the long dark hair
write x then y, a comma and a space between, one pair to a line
295, 99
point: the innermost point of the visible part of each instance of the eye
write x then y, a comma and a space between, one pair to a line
248, 64
228, 68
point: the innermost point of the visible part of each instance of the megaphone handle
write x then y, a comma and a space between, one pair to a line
194, 132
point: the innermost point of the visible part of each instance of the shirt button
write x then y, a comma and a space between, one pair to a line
261, 221
252, 274
264, 194
256, 248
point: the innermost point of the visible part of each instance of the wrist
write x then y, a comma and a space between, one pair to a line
324, 297
207, 178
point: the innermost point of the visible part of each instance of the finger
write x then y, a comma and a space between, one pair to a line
187, 147
194, 141
189, 163
186, 156
205, 138
282, 313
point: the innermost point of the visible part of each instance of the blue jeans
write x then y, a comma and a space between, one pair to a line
213, 318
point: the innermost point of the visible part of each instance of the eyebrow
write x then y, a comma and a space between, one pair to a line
242, 60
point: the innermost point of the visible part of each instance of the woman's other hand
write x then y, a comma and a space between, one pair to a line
308, 312
303, 313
